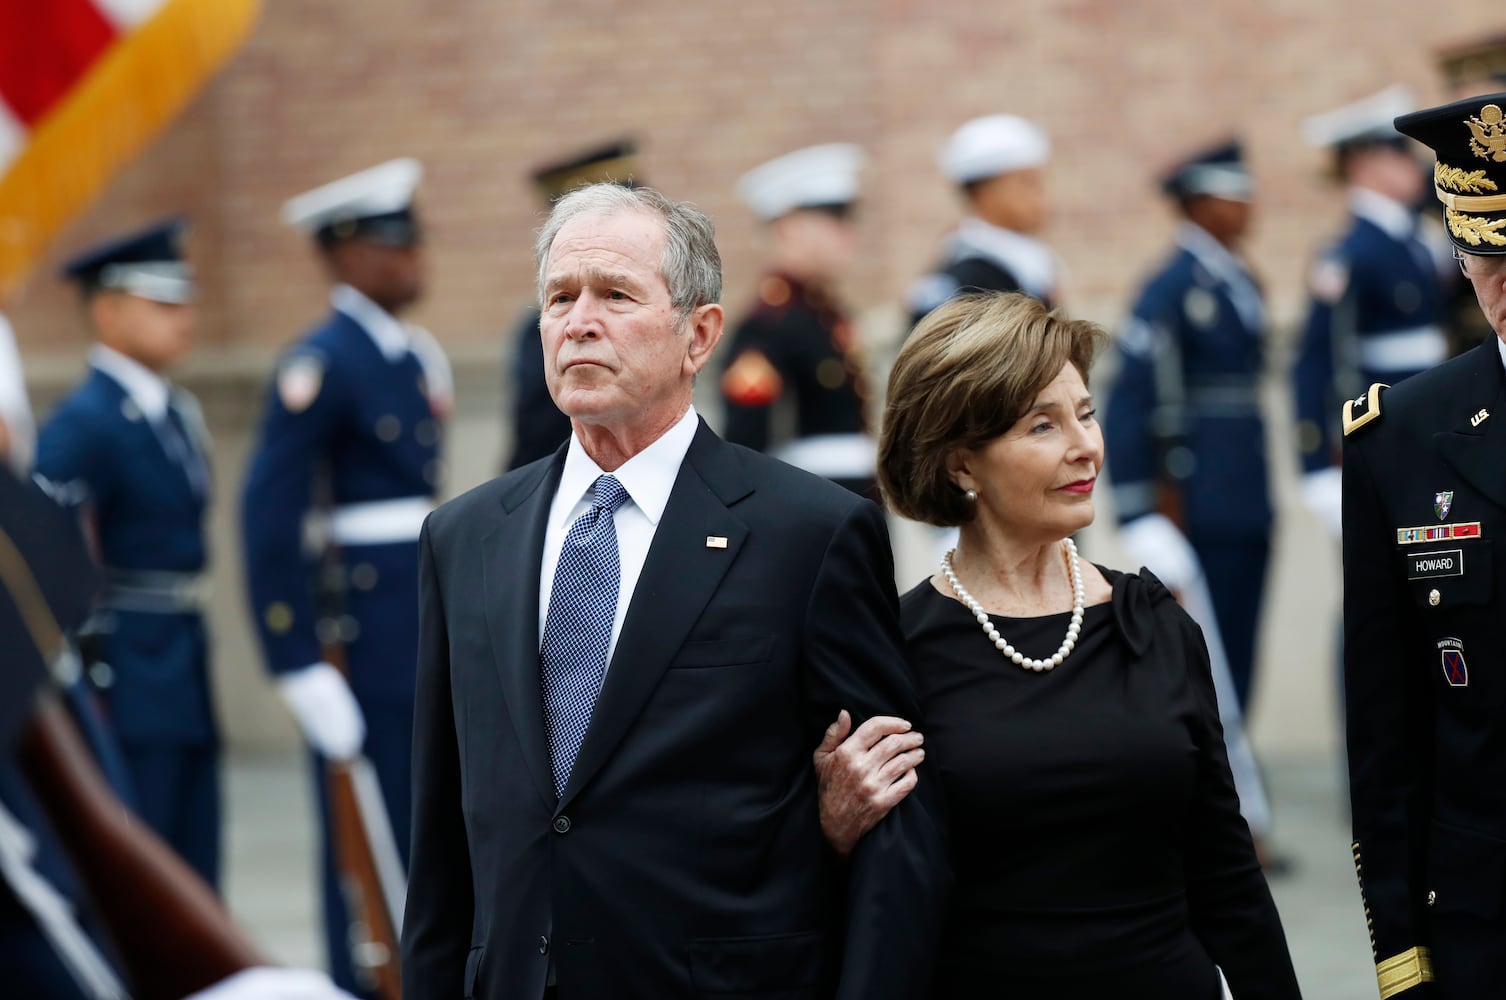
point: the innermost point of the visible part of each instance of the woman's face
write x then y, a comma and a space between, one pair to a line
1035, 481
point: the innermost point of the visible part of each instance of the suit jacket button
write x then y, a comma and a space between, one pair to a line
562, 824
543, 945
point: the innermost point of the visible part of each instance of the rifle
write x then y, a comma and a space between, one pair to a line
171, 934
370, 871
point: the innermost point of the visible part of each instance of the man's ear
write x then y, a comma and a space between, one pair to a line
705, 325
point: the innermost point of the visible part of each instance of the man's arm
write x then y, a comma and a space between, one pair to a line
899, 874
437, 922
1388, 725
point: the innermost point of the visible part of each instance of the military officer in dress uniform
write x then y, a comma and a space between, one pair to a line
1378, 294
998, 162
1184, 435
349, 453
794, 382
130, 450
1424, 497
538, 425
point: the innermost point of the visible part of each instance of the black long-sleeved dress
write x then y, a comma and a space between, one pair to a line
1097, 840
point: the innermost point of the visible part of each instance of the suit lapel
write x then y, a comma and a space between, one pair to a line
679, 576
1475, 445
511, 555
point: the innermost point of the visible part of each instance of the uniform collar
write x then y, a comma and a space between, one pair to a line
648, 476
1210, 253
1030, 260
148, 390
390, 335
1386, 214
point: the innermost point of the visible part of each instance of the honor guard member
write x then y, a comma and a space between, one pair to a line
349, 454
998, 162
538, 425
130, 450
1471, 67
1424, 498
1378, 295
1184, 435
794, 382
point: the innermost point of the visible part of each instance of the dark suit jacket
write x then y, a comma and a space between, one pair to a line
1424, 627
685, 857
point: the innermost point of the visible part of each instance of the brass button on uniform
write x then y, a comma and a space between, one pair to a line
1432, 897
389, 428
1434, 598
562, 824
543, 945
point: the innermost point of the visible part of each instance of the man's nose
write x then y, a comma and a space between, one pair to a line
583, 321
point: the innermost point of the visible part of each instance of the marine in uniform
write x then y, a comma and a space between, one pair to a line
130, 450
1378, 294
348, 456
998, 163
1183, 432
1424, 495
794, 383
538, 425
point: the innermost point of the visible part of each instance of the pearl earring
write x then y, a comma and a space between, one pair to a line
972, 496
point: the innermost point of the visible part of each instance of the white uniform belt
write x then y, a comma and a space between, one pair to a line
379, 522
1403, 350
155, 591
835, 456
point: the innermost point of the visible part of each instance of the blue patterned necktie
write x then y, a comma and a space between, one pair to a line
578, 628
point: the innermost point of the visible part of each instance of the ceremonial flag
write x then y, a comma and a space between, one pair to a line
84, 85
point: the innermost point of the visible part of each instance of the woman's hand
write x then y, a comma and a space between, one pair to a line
864, 775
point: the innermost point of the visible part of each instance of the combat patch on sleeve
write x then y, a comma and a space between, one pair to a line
1363, 409
299, 379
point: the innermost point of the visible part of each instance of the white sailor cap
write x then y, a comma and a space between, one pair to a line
814, 177
375, 203
1364, 122
993, 145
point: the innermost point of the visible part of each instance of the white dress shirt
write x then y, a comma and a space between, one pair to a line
648, 477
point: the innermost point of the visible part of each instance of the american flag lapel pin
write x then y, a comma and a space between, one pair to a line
716, 541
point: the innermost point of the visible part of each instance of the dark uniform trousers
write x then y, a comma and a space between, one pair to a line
1425, 674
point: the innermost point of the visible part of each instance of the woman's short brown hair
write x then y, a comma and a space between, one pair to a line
968, 372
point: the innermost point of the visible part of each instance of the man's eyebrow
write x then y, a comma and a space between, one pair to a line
592, 276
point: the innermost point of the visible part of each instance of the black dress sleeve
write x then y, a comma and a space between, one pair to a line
1229, 903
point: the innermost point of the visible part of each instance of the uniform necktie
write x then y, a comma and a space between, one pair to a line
578, 628
182, 449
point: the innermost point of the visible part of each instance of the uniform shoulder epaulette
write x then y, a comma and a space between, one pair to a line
1364, 409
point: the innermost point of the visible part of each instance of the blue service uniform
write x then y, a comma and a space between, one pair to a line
355, 435
144, 487
1377, 315
1184, 418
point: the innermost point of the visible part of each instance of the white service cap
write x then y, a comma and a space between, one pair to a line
993, 145
1369, 118
377, 191
807, 178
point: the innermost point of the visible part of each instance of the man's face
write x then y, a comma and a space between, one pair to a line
616, 353
391, 276
156, 334
1016, 200
1488, 275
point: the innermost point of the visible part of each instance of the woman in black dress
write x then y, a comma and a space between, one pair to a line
1069, 709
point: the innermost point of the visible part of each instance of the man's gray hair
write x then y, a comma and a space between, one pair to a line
690, 263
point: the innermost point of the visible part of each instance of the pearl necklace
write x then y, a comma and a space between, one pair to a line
1002, 644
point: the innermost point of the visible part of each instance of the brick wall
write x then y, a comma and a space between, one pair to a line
482, 90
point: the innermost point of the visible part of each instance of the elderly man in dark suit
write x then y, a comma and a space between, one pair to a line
627, 651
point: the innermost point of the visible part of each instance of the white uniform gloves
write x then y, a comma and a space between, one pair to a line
268, 983
326, 710
1154, 542
1322, 494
